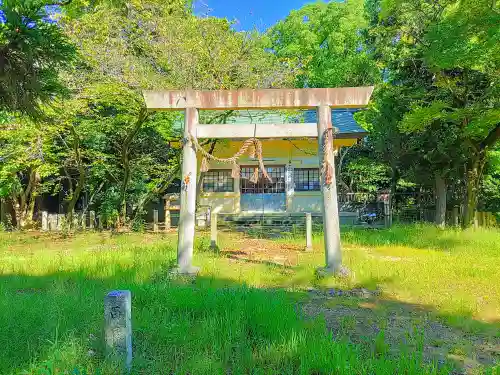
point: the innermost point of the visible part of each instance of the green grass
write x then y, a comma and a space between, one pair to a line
236, 316
454, 272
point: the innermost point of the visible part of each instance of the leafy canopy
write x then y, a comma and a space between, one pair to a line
326, 40
33, 49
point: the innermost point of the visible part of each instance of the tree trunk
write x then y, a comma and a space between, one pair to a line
157, 191
440, 218
123, 195
76, 195
470, 204
473, 177
24, 202
3, 209
125, 156
394, 180
16, 206
75, 190
340, 181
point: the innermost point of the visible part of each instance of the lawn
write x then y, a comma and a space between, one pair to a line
418, 300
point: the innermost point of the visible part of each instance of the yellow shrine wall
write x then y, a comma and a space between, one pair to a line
299, 153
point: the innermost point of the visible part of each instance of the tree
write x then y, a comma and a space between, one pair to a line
26, 158
490, 191
33, 50
429, 50
128, 47
325, 39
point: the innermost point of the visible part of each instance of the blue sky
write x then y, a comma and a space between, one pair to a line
250, 13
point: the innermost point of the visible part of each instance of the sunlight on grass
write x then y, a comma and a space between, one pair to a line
52, 290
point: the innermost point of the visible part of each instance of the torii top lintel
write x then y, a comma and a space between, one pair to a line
342, 97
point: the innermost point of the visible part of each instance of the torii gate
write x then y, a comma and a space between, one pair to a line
322, 99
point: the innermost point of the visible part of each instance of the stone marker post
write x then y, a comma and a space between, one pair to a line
76, 222
118, 326
168, 222
83, 217
61, 221
309, 244
387, 213
45, 221
213, 230
155, 221
91, 219
52, 222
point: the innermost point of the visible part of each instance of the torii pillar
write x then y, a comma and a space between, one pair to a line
323, 100
187, 218
330, 209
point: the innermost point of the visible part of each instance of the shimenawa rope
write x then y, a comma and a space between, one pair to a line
253, 145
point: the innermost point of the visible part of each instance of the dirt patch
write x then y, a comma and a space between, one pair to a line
388, 326
265, 251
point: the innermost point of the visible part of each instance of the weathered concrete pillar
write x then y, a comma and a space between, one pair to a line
83, 217
168, 220
118, 326
52, 222
76, 222
289, 187
187, 217
387, 213
331, 224
309, 244
491, 220
155, 221
45, 221
213, 230
61, 221
91, 219
100, 224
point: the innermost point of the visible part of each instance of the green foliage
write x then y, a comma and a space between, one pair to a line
27, 156
146, 46
490, 188
325, 39
419, 118
365, 175
33, 50
467, 35
440, 101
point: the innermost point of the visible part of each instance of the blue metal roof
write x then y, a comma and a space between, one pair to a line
343, 119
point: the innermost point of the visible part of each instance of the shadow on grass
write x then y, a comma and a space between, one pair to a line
390, 327
198, 326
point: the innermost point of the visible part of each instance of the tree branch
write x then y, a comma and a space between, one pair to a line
491, 138
58, 3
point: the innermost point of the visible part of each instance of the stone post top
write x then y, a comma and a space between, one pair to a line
119, 293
